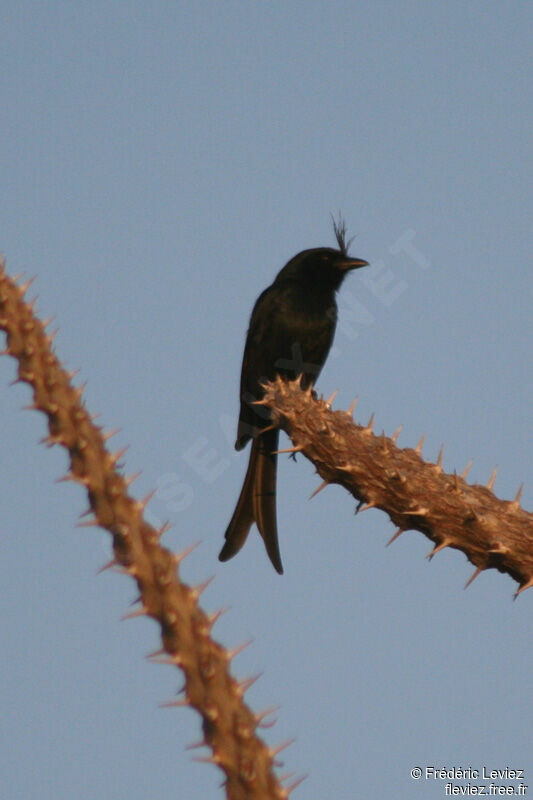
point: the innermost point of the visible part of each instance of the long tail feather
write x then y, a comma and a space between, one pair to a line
264, 496
257, 501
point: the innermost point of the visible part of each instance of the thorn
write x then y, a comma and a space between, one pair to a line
78, 390
178, 557
106, 435
365, 507
265, 725
155, 653
83, 479
109, 565
243, 686
396, 433
439, 458
297, 449
322, 486
132, 478
523, 588
197, 745
455, 481
207, 759
166, 526
285, 777
384, 442
30, 406
46, 322
274, 751
331, 398
441, 546
88, 523
144, 502
259, 718
516, 501
370, 424
269, 428
68, 478
23, 288
175, 703
166, 660
473, 576
344, 468
231, 654
140, 612
492, 478
48, 440
418, 448
420, 511
351, 409
213, 618
201, 587
499, 549
295, 783
395, 536
87, 511
115, 457
466, 470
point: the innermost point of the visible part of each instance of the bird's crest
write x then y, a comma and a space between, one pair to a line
339, 227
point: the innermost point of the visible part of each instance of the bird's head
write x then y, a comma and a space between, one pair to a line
323, 266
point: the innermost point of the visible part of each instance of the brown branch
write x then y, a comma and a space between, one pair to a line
229, 726
493, 533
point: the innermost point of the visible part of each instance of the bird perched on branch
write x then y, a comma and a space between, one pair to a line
290, 333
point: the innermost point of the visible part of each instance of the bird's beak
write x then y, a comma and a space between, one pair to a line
353, 263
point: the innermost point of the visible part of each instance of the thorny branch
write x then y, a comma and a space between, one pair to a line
229, 725
493, 533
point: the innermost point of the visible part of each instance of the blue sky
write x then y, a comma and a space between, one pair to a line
159, 164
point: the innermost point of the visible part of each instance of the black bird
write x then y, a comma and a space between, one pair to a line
290, 333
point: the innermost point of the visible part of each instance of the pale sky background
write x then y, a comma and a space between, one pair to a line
159, 164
